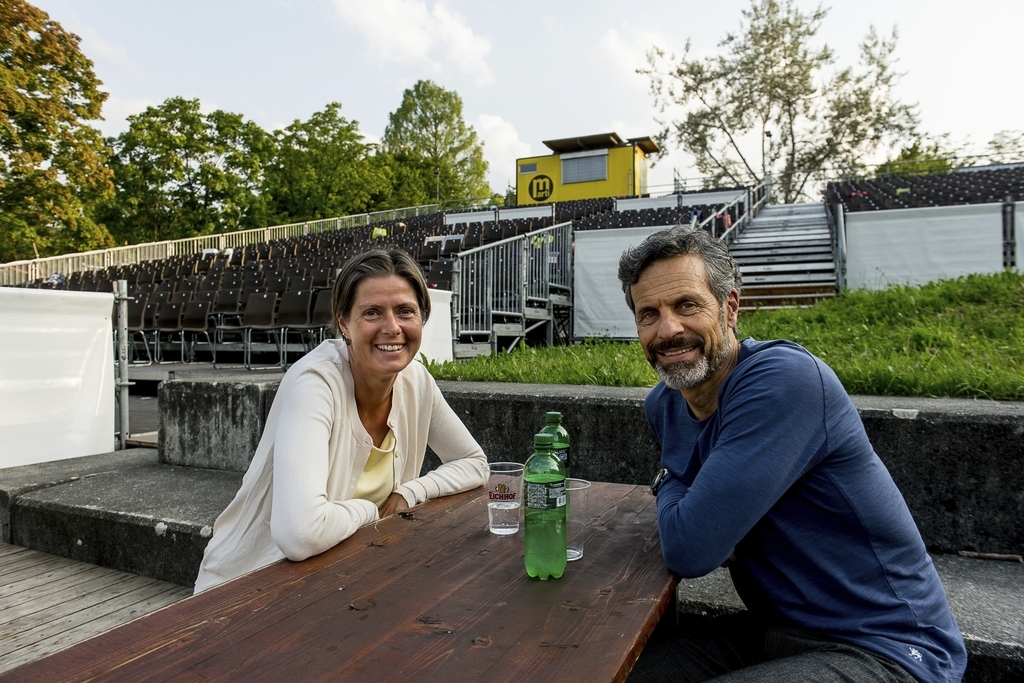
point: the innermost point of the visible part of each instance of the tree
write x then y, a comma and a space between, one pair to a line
180, 173
767, 106
430, 149
1006, 147
923, 156
322, 168
51, 161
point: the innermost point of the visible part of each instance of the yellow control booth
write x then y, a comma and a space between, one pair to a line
586, 167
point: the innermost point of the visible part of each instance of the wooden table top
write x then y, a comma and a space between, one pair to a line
430, 595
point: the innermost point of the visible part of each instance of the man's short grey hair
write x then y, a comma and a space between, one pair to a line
722, 270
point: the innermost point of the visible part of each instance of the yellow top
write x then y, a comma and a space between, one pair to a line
377, 481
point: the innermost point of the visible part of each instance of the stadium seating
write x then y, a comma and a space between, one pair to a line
227, 282
963, 186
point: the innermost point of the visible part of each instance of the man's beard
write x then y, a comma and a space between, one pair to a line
683, 375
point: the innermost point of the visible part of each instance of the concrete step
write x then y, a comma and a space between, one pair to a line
759, 259
986, 596
822, 278
786, 290
786, 245
747, 251
124, 510
789, 235
781, 238
808, 268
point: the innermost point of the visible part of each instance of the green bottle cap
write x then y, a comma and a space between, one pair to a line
554, 416
543, 440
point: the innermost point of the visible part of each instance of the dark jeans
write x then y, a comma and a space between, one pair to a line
739, 648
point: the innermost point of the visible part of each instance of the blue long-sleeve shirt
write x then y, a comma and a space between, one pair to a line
782, 474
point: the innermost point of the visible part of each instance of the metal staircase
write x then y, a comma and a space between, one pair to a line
786, 257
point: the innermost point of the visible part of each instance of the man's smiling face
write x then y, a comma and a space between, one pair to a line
684, 331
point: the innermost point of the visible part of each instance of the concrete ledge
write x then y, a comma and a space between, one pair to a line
959, 463
124, 510
213, 424
986, 596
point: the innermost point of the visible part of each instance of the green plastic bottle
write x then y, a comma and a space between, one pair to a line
544, 511
561, 445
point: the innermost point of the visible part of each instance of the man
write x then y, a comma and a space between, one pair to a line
768, 470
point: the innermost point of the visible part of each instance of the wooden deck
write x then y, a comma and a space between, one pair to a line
48, 603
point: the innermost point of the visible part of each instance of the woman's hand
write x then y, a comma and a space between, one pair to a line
394, 504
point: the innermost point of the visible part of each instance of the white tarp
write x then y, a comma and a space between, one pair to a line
916, 246
437, 332
56, 375
599, 307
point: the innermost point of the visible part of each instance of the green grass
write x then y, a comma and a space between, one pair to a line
961, 338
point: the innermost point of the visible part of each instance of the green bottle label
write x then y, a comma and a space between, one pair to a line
545, 496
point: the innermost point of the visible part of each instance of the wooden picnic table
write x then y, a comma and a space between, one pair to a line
429, 595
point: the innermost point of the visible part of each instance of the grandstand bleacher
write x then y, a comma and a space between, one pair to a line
510, 270
963, 186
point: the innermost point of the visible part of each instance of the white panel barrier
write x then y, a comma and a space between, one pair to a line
916, 246
56, 375
538, 211
1018, 231
437, 332
469, 217
600, 308
723, 197
670, 200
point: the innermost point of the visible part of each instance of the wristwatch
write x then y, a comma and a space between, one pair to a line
656, 482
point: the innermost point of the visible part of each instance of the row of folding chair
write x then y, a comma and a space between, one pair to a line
306, 312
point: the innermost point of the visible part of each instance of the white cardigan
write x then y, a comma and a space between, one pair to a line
296, 498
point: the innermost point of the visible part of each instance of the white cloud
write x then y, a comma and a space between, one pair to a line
110, 59
116, 112
370, 138
620, 57
502, 147
410, 31
632, 130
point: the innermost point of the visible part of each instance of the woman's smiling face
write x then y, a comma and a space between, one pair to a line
384, 327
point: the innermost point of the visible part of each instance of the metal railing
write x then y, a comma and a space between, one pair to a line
741, 210
21, 272
837, 230
503, 278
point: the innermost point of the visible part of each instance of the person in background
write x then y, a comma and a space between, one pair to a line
346, 436
767, 469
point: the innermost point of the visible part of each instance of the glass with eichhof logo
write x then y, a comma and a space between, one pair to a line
504, 497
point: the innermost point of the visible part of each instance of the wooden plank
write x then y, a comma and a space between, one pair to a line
48, 586
436, 592
10, 553
48, 574
31, 649
63, 595
94, 604
30, 561
97, 616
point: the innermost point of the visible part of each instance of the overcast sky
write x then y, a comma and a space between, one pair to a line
527, 71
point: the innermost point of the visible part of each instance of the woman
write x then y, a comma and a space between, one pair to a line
346, 436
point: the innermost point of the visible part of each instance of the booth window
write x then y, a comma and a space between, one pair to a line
585, 168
